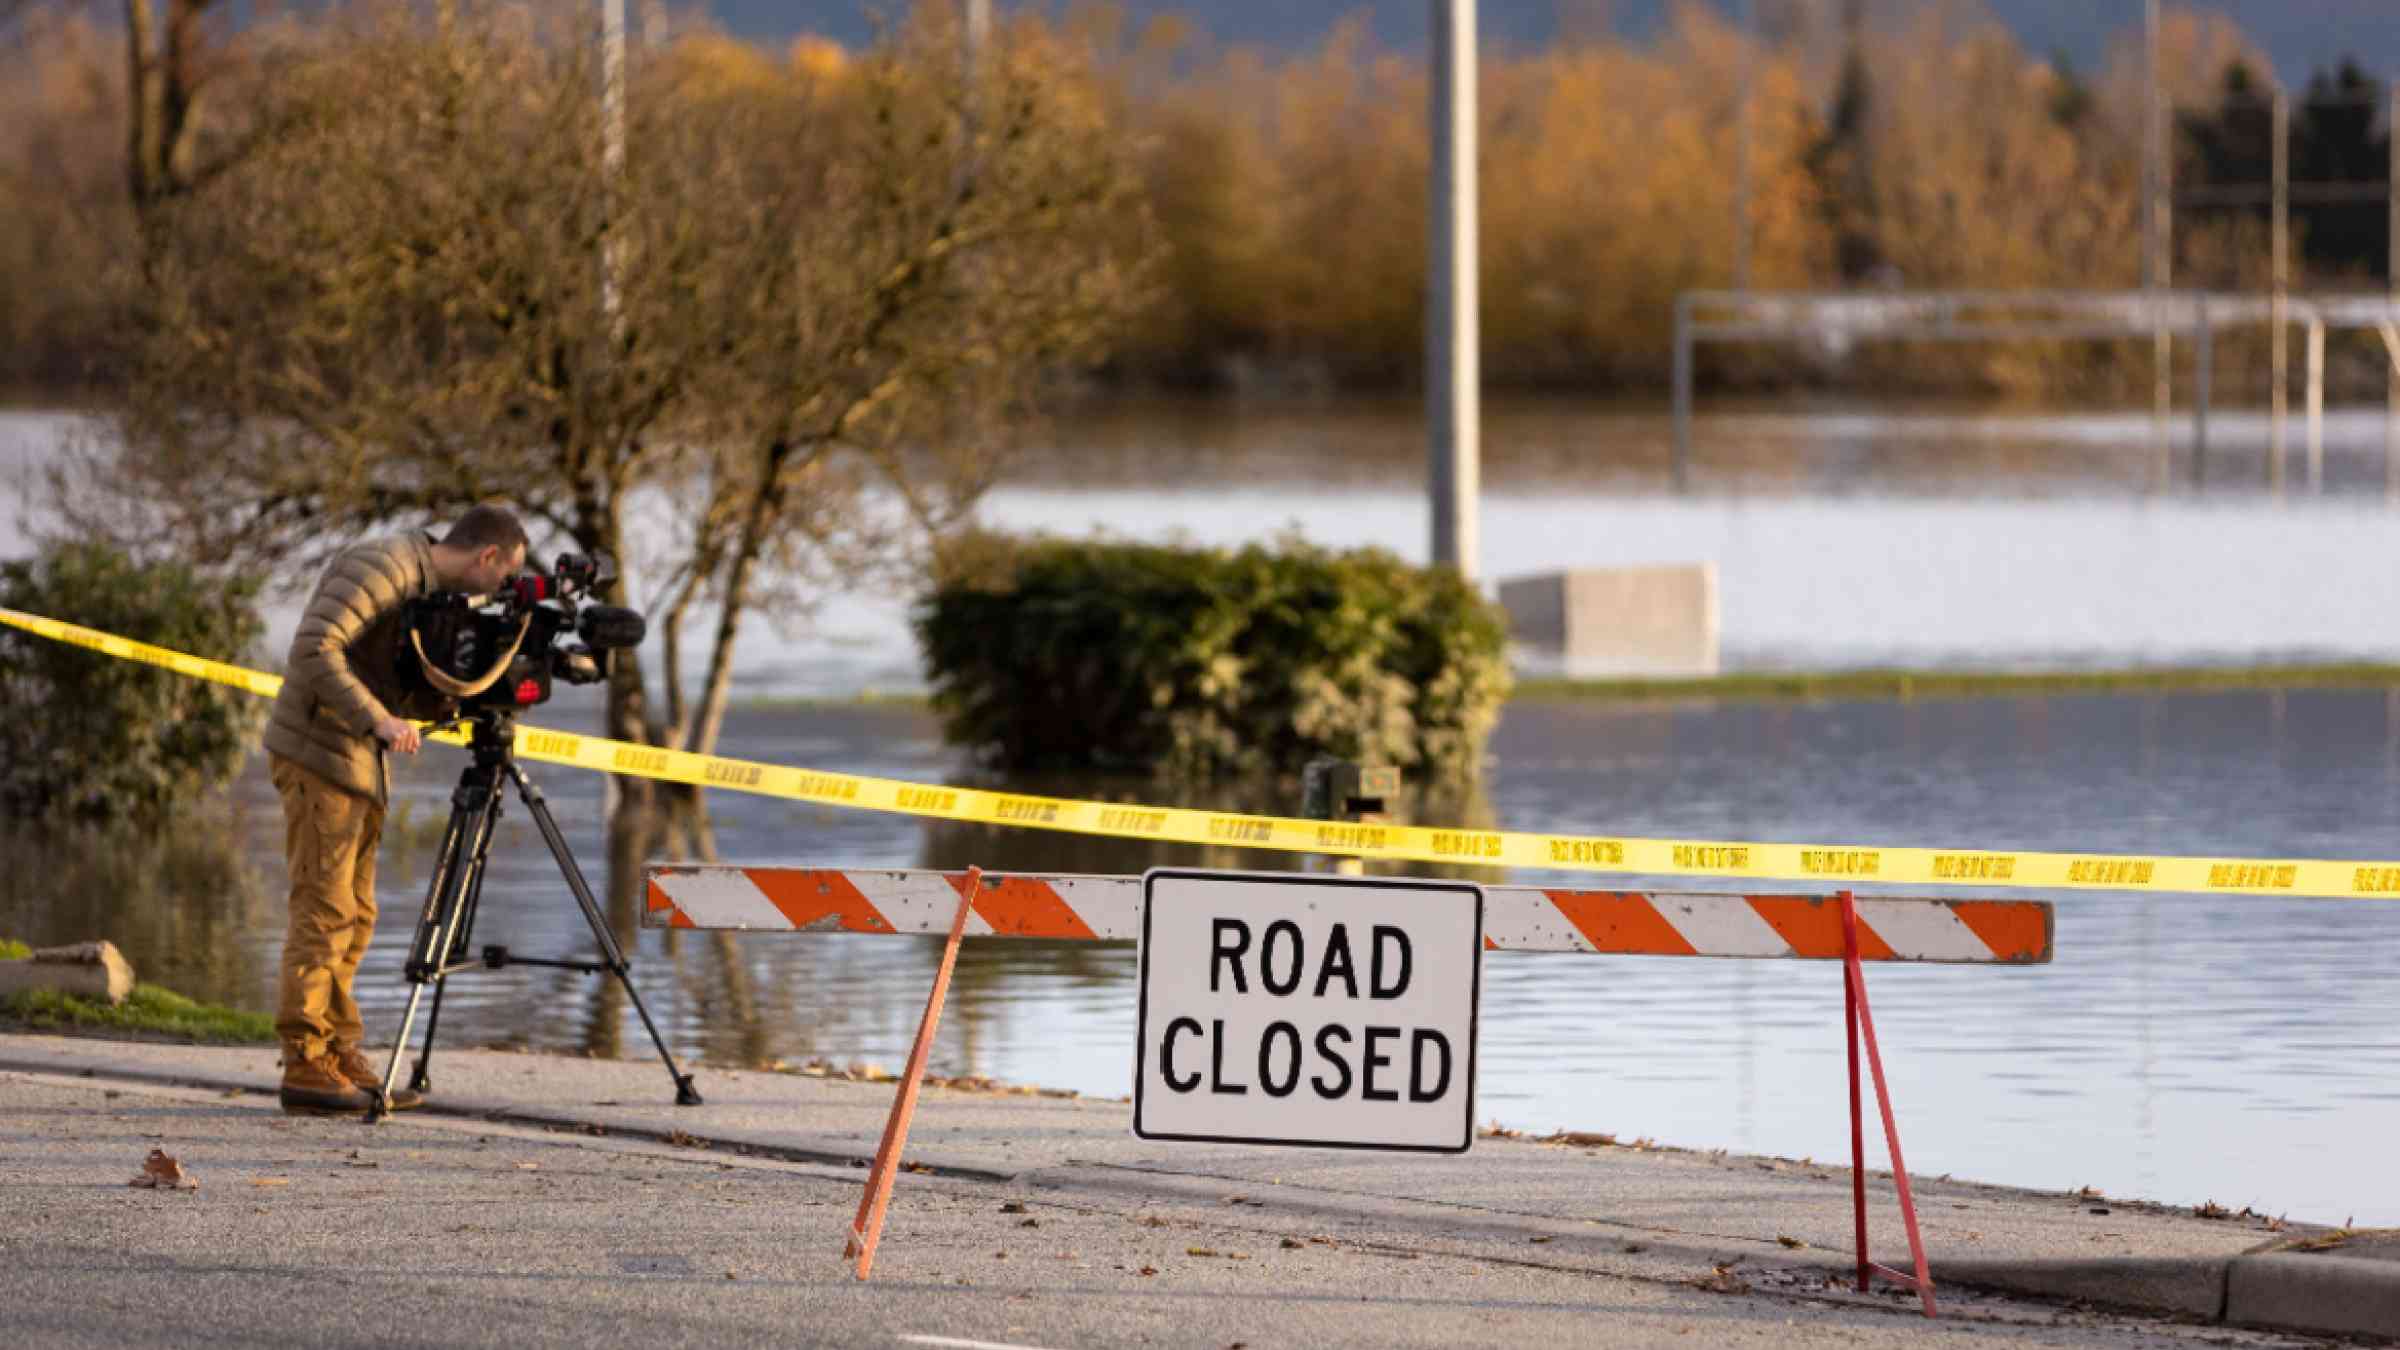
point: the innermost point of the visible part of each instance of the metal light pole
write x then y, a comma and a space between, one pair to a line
612, 148
974, 37
1743, 136
1453, 374
2280, 240
2157, 258
2150, 143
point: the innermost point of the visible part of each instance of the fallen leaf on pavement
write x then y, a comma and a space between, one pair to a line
162, 1173
1791, 1242
1722, 1280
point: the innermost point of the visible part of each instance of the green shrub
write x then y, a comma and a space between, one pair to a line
13, 950
92, 737
1054, 654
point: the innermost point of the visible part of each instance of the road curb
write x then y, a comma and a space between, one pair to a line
2186, 1286
2343, 1295
2317, 1293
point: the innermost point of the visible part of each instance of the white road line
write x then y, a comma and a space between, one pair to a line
965, 1345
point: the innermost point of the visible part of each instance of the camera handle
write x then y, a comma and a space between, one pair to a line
454, 688
445, 928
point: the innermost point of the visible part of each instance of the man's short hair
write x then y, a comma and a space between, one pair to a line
485, 527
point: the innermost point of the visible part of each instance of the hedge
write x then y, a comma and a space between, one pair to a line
1049, 654
90, 737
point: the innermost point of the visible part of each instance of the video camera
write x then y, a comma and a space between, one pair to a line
501, 651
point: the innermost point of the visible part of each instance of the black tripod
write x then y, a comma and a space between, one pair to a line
448, 923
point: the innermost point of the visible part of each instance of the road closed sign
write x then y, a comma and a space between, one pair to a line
1282, 1008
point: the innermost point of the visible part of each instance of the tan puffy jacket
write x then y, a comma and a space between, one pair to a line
343, 676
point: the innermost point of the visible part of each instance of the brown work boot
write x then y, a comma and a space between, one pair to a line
316, 1087
355, 1066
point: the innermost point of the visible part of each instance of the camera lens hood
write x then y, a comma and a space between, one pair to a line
610, 627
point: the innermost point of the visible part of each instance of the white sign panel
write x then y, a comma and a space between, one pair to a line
1281, 1008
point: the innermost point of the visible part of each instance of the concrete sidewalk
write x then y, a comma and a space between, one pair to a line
1656, 1219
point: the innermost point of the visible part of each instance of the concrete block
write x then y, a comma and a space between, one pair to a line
2193, 1286
2293, 1291
90, 970
1618, 621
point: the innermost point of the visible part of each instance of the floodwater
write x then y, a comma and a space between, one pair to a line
2181, 1048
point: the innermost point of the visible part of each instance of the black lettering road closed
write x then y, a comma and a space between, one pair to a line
1288, 1008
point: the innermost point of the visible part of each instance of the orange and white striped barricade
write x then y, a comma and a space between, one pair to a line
1516, 918
1837, 927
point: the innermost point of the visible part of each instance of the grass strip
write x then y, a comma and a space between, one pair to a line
1908, 684
1844, 684
147, 1011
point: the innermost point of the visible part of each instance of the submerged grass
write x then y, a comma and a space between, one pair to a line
1847, 684
870, 698
147, 1011
1908, 684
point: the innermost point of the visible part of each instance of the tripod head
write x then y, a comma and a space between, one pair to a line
491, 734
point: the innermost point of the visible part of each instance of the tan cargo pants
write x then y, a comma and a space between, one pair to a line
330, 838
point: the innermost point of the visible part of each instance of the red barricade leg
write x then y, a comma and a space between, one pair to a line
1858, 1137
867, 1227
1861, 1025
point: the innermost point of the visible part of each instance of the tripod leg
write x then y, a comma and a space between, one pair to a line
461, 932
463, 843
610, 953
424, 950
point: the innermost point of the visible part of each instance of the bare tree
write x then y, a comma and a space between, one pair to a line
173, 144
824, 328
927, 267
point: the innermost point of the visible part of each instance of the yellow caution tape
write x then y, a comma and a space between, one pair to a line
1823, 863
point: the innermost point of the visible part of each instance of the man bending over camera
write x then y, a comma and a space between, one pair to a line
341, 708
